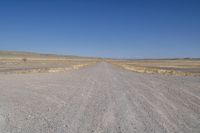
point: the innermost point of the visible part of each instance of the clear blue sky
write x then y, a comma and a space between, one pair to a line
105, 28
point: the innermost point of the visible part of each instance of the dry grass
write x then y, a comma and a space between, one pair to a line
169, 67
20, 66
26, 63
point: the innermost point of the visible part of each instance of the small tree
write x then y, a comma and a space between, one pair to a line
24, 60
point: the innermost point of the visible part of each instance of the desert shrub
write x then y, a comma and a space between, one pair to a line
24, 60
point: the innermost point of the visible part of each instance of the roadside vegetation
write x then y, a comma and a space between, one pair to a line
21, 62
185, 67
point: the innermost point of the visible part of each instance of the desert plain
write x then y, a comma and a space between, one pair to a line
67, 94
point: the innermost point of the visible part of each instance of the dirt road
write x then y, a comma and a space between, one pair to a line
99, 99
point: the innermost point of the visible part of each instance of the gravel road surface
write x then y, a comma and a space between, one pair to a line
99, 99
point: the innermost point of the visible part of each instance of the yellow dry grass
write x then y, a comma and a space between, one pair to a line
169, 67
41, 64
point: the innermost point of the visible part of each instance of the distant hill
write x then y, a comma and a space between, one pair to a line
21, 54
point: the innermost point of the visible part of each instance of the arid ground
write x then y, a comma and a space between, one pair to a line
100, 98
182, 67
24, 62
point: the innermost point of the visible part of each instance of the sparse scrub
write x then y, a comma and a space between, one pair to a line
24, 59
168, 67
32, 63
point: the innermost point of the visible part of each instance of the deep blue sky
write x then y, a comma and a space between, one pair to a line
106, 28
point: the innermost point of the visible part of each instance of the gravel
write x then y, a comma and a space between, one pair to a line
99, 99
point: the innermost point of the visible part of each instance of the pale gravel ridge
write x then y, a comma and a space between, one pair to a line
100, 99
